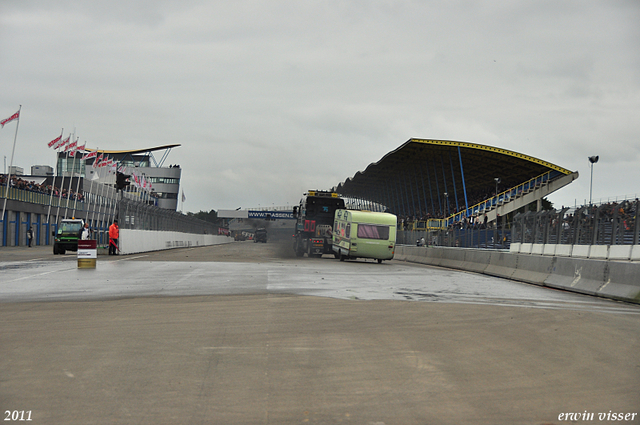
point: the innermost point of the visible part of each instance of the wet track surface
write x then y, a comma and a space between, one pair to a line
247, 268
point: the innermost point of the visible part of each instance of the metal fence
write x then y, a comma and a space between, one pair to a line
606, 224
140, 216
491, 238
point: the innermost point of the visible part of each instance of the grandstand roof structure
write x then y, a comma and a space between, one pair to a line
130, 154
439, 177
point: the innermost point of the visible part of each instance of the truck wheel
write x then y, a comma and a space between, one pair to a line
379, 261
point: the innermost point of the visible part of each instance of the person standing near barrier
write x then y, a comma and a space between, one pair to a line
29, 236
86, 232
114, 234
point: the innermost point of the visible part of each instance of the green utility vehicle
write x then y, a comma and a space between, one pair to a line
69, 231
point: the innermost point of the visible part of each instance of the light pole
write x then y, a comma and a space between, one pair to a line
497, 180
446, 198
592, 160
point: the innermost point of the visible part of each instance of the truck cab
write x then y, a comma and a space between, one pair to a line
314, 221
67, 236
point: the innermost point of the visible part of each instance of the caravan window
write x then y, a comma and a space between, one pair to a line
372, 231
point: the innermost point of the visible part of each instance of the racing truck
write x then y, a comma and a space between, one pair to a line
314, 221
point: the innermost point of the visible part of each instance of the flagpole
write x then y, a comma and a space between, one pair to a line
93, 213
66, 142
6, 192
66, 206
75, 201
90, 194
53, 180
101, 198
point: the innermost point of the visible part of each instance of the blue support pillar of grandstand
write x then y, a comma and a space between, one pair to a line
4, 228
17, 228
433, 207
393, 199
419, 215
405, 205
435, 173
410, 191
407, 211
413, 198
399, 197
424, 194
385, 196
464, 186
453, 177
446, 191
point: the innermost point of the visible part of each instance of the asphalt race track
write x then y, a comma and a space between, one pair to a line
246, 333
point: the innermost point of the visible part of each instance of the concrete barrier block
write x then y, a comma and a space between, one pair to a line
537, 248
525, 248
476, 260
434, 256
452, 257
609, 279
412, 254
580, 251
515, 248
563, 250
418, 254
400, 253
577, 274
599, 252
533, 268
622, 282
549, 249
635, 253
619, 252
502, 264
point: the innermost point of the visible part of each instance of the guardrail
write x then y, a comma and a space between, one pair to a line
39, 198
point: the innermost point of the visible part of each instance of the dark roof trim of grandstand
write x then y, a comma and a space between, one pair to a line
134, 151
484, 148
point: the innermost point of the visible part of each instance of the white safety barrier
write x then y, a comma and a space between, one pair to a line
134, 241
604, 278
598, 252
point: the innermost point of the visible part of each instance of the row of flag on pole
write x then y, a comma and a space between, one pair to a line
101, 160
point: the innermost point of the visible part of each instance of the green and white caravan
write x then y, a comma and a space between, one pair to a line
364, 234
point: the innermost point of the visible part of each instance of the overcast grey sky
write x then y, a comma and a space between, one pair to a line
271, 98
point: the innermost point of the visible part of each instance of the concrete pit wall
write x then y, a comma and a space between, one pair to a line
135, 241
618, 280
